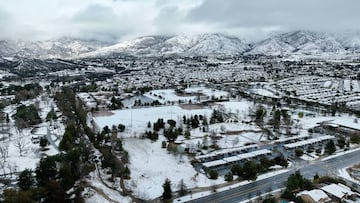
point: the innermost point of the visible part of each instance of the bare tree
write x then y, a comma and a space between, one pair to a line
2, 166
235, 141
4, 151
20, 144
182, 188
12, 169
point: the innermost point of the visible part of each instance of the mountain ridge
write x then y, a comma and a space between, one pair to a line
299, 42
203, 44
63, 47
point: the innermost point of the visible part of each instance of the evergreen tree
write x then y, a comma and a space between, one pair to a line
297, 181
163, 144
250, 170
229, 176
54, 192
7, 118
121, 127
341, 142
26, 179
236, 169
167, 194
15, 196
70, 134
46, 170
187, 134
182, 190
259, 115
330, 147
43, 142
276, 119
213, 174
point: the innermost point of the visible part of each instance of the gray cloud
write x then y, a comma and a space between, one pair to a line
97, 21
305, 14
11, 28
124, 19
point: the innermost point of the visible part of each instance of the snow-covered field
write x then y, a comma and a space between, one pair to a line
150, 165
136, 119
344, 120
169, 95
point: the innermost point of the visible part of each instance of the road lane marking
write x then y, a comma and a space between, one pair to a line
240, 193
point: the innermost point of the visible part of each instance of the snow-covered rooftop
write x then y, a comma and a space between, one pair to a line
315, 194
309, 141
338, 190
226, 151
236, 158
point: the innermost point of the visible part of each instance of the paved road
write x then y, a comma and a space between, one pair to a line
307, 169
49, 138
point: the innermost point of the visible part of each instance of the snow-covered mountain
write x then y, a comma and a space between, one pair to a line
290, 43
60, 48
204, 44
350, 41
7, 48
299, 42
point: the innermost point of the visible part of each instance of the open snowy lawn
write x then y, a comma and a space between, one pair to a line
232, 127
169, 95
229, 141
150, 165
226, 140
207, 91
344, 120
166, 95
238, 107
137, 119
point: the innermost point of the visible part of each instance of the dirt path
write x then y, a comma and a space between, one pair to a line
101, 192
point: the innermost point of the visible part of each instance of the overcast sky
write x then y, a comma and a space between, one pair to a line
125, 19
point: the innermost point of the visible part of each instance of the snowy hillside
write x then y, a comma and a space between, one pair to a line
290, 43
60, 48
7, 48
350, 41
204, 44
299, 42
295, 42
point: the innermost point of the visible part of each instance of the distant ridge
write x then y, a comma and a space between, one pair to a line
298, 42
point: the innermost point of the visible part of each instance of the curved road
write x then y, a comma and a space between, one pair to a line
307, 169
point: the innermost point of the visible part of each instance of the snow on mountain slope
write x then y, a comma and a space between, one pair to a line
290, 43
60, 48
299, 42
271, 46
218, 44
7, 48
204, 44
141, 46
350, 41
